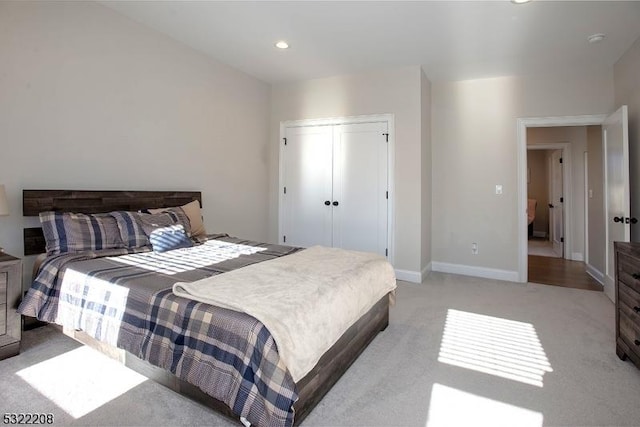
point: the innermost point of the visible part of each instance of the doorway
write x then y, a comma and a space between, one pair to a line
550, 189
573, 252
560, 272
549, 199
616, 220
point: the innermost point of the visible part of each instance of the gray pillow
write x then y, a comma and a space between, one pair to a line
76, 232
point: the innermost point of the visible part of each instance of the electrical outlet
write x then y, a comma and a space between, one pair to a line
474, 248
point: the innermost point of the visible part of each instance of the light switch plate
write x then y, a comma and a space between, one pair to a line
498, 189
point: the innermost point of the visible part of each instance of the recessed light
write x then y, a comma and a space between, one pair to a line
596, 38
282, 45
520, 1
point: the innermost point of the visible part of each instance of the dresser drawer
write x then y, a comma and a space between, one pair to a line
629, 297
630, 331
628, 267
3, 319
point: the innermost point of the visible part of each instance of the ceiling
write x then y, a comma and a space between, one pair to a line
451, 40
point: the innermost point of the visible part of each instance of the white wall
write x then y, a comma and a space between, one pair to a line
396, 91
475, 147
627, 91
92, 100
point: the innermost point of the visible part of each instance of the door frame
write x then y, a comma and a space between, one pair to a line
609, 282
586, 207
330, 121
522, 125
565, 147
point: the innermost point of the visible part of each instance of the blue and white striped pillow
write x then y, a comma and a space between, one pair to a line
135, 227
169, 238
75, 232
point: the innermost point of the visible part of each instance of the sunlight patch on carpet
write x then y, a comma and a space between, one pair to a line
453, 407
495, 346
81, 380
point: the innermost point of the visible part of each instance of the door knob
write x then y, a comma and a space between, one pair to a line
335, 203
550, 205
634, 220
326, 202
618, 219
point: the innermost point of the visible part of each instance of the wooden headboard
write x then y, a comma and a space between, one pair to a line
89, 201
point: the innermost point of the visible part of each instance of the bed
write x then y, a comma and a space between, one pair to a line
122, 301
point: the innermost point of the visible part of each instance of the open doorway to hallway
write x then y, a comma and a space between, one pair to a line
557, 205
546, 195
561, 272
612, 220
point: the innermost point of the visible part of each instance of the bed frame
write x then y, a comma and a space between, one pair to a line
90, 202
311, 389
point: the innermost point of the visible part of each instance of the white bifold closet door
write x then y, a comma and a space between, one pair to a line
308, 177
336, 181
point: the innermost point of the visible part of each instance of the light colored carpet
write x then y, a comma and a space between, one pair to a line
511, 354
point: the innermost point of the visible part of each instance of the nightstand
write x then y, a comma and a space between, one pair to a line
10, 290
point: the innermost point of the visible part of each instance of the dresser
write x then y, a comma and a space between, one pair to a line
628, 301
10, 290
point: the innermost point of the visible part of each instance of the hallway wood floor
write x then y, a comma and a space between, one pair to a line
561, 272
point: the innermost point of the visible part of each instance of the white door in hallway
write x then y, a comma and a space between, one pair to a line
556, 207
615, 139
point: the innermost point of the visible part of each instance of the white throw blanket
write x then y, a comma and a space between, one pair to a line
307, 300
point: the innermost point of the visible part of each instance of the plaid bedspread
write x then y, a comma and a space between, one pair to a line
127, 301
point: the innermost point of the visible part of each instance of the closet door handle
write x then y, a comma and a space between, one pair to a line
618, 219
335, 203
327, 202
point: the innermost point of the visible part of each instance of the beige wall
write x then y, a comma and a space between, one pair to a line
627, 91
474, 148
396, 91
595, 184
80, 82
426, 233
538, 188
92, 100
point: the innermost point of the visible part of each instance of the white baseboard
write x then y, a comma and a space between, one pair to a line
408, 276
596, 274
425, 271
539, 233
577, 256
469, 270
610, 290
413, 276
